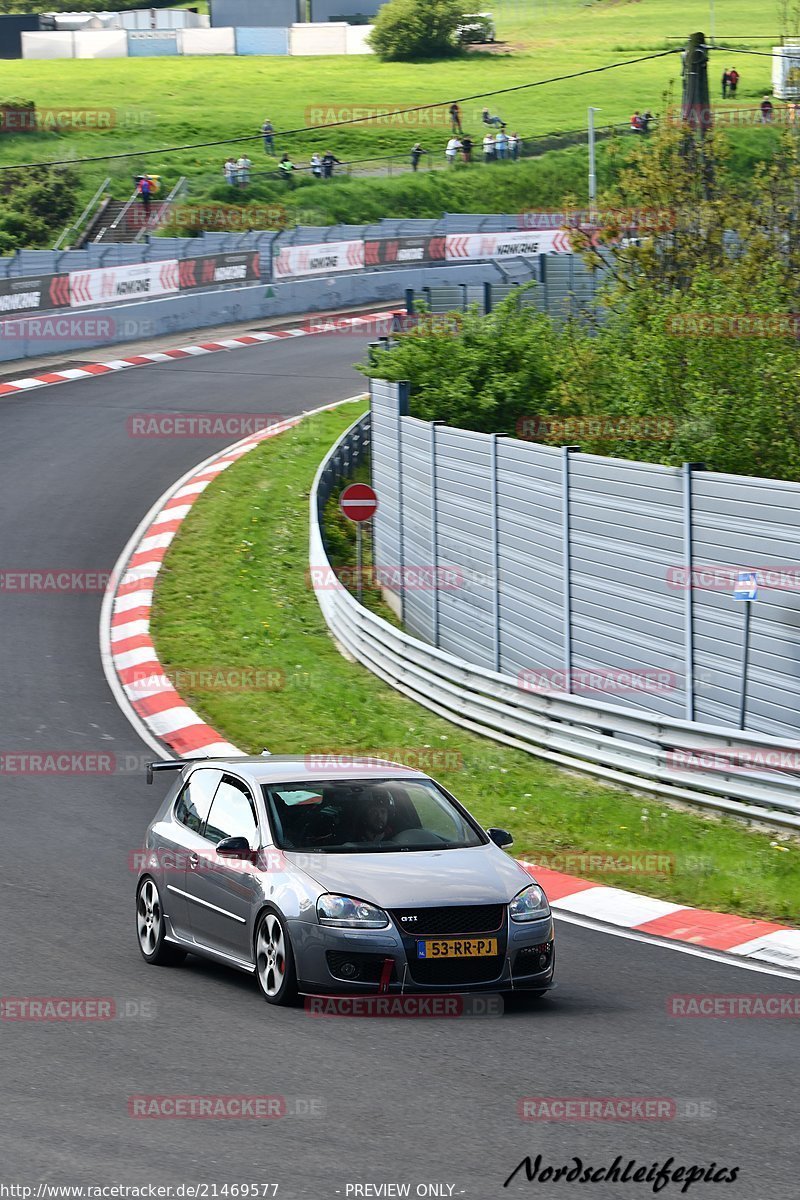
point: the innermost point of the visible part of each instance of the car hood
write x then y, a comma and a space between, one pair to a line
475, 875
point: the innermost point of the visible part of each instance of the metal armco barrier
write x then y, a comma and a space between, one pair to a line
672, 758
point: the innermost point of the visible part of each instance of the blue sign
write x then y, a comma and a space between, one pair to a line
746, 586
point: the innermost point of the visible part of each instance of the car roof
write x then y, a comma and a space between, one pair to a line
298, 768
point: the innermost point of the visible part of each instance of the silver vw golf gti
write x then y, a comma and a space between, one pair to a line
330, 879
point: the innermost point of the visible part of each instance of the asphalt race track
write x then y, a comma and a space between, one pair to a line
417, 1102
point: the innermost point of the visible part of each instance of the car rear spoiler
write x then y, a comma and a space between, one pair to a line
171, 764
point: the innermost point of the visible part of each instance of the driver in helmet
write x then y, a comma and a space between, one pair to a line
373, 821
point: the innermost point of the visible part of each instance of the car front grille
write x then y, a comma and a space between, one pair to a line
454, 972
456, 919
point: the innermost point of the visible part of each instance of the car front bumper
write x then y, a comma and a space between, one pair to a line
334, 961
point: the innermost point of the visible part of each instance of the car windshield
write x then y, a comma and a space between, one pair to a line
367, 816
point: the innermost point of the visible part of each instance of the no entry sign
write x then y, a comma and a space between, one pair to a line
358, 502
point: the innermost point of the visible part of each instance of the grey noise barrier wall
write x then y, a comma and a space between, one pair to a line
433, 510
576, 568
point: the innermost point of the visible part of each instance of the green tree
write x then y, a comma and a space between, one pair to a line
406, 30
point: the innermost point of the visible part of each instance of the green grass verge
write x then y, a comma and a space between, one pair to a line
233, 593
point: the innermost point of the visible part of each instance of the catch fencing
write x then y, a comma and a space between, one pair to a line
693, 761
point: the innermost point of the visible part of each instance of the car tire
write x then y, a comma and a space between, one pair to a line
151, 927
274, 959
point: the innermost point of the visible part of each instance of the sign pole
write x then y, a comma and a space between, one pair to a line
358, 561
746, 590
748, 604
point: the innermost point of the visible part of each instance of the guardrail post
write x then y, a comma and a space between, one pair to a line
543, 272
688, 600
495, 548
410, 302
487, 297
434, 536
566, 572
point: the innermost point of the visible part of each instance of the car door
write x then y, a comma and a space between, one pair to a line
221, 891
181, 837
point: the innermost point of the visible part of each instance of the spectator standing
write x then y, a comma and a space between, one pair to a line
501, 142
455, 118
286, 167
733, 81
766, 110
515, 146
145, 191
647, 117
488, 148
416, 154
328, 162
637, 124
466, 148
451, 150
268, 134
243, 168
230, 170
316, 165
726, 82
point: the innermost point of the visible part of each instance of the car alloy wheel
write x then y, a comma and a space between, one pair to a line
150, 927
274, 960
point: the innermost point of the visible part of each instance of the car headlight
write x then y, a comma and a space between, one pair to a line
529, 905
347, 913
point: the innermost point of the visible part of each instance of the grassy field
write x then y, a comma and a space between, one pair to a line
233, 593
159, 103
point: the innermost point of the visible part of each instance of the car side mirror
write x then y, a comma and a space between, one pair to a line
234, 847
501, 838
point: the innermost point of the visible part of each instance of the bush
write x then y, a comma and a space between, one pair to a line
406, 30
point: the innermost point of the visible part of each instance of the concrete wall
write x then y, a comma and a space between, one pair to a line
48, 45
257, 302
318, 39
101, 43
261, 40
206, 41
155, 43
